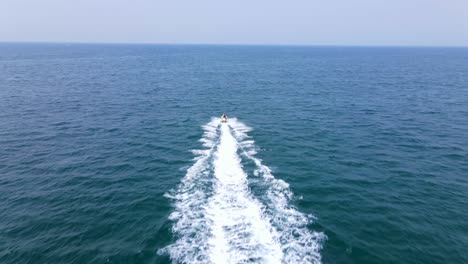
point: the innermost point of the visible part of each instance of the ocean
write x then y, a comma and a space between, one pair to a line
116, 154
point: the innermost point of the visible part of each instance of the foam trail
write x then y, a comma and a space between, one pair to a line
217, 219
299, 244
240, 232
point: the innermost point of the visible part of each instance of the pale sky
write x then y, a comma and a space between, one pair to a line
293, 22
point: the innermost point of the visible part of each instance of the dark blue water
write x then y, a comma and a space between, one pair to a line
373, 143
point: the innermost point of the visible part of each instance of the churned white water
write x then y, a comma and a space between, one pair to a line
217, 219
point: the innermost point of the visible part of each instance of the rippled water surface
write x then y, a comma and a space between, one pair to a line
111, 154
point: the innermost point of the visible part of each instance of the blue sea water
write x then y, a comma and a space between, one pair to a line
367, 147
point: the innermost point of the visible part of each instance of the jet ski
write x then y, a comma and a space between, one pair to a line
224, 118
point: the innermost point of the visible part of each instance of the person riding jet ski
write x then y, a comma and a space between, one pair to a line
224, 118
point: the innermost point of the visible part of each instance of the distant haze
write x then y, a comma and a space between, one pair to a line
295, 22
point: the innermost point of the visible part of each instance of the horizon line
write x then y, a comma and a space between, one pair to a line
233, 44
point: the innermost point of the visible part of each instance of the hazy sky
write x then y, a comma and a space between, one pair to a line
314, 22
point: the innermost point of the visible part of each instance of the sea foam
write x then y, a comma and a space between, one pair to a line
217, 219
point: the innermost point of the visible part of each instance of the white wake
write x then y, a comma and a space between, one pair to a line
217, 219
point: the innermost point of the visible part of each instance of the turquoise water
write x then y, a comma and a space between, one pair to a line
99, 146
